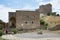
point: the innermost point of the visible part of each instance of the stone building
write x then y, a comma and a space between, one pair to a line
12, 20
44, 9
27, 19
24, 19
2, 24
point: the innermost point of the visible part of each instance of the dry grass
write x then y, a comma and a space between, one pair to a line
2, 38
57, 31
52, 20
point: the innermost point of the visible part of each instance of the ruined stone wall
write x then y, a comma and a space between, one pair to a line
11, 14
44, 9
12, 19
2, 24
27, 19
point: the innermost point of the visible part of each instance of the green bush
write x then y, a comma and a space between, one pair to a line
57, 15
1, 32
14, 31
46, 25
49, 13
1, 27
53, 14
42, 22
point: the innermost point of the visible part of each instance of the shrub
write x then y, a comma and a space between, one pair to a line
1, 32
20, 29
48, 13
46, 25
1, 27
51, 13
57, 15
42, 22
14, 31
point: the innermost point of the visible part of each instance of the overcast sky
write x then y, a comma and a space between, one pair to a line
12, 5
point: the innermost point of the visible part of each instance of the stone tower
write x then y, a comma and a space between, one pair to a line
12, 20
44, 9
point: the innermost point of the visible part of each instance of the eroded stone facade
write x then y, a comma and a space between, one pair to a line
12, 19
27, 19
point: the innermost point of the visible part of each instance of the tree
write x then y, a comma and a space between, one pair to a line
1, 27
57, 15
1, 32
53, 13
48, 13
42, 22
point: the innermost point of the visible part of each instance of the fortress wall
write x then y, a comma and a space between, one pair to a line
12, 19
27, 19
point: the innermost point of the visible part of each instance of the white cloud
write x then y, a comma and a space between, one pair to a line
41, 2
56, 5
4, 12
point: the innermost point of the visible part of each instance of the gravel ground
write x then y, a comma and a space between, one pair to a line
33, 36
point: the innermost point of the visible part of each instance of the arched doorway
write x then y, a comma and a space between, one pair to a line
12, 22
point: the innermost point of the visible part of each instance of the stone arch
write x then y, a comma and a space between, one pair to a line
12, 22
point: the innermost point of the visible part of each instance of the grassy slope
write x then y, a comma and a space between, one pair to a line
52, 20
1, 38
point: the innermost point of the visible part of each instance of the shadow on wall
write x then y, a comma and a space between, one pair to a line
12, 22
